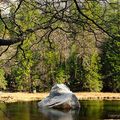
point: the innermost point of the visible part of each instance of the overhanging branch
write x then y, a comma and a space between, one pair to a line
6, 42
85, 16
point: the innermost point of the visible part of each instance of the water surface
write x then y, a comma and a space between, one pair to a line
90, 110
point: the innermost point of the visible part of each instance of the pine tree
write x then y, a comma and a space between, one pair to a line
92, 80
111, 66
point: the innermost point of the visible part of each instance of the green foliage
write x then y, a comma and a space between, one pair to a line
92, 75
61, 76
26, 16
75, 69
42, 62
84, 72
22, 70
111, 65
51, 57
3, 82
111, 51
1, 26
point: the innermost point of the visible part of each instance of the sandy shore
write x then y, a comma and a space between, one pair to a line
16, 97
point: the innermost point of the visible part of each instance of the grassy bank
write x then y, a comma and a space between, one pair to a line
15, 97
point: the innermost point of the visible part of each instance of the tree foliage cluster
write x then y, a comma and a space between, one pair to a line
71, 42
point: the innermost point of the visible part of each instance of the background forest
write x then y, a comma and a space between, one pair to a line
78, 45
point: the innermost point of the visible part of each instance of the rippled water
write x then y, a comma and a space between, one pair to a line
90, 110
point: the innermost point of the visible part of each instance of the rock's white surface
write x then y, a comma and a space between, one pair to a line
60, 97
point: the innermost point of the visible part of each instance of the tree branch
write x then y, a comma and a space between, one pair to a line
5, 42
85, 16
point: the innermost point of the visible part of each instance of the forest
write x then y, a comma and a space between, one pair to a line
75, 42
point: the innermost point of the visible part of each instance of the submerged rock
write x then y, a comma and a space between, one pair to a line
60, 97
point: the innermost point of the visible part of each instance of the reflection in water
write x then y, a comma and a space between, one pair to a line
90, 110
53, 114
3, 113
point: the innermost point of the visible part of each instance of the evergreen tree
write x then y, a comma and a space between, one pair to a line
24, 58
92, 81
111, 66
75, 69
111, 51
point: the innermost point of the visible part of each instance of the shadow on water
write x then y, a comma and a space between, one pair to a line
89, 110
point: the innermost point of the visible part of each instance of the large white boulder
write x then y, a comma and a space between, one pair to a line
60, 97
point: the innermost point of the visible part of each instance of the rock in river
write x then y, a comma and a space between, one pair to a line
60, 97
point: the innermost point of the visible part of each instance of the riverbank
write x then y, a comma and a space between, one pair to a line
17, 97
